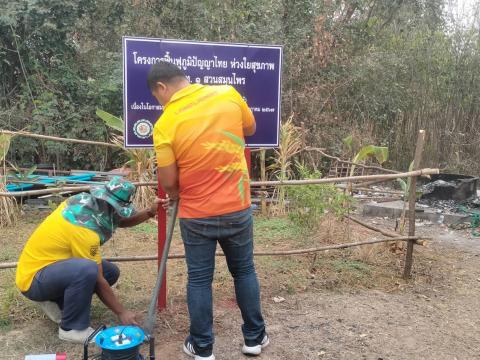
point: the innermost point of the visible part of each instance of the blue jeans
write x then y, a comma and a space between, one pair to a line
234, 233
71, 284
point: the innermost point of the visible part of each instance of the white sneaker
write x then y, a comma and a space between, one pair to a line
191, 350
52, 310
75, 336
254, 347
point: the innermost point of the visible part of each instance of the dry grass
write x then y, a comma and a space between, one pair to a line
327, 271
8, 209
281, 168
8, 205
142, 165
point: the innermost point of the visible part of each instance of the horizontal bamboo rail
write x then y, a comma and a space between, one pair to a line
63, 189
12, 265
384, 177
56, 138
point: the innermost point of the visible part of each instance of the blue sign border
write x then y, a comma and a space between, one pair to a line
126, 39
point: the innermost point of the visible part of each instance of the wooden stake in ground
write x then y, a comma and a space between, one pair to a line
412, 198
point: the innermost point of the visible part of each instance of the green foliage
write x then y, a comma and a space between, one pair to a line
405, 185
348, 142
383, 68
23, 175
146, 227
358, 268
379, 152
269, 228
52, 205
309, 203
110, 120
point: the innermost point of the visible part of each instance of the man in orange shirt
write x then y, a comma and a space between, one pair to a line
199, 143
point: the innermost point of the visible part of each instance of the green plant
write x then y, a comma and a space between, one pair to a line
358, 268
146, 227
141, 162
22, 175
308, 203
7, 301
380, 153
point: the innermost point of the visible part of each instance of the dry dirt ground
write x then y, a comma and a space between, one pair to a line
349, 304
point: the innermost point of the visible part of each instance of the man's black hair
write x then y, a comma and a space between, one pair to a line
165, 72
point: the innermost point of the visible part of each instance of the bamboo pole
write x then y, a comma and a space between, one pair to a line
11, 265
412, 199
56, 138
370, 190
62, 189
263, 177
384, 177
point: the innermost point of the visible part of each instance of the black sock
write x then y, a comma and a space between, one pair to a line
64, 328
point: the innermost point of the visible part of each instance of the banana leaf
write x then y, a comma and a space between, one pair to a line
110, 120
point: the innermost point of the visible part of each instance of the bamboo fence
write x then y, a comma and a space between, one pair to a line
364, 180
382, 177
11, 265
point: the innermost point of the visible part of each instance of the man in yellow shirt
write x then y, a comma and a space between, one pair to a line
199, 143
61, 265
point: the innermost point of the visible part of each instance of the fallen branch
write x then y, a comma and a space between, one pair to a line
374, 228
12, 265
350, 162
385, 232
56, 138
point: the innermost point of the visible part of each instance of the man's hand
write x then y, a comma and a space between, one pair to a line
152, 210
164, 203
128, 318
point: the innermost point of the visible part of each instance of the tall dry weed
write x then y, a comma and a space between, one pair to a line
8, 205
282, 162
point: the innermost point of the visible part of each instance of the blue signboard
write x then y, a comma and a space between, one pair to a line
254, 70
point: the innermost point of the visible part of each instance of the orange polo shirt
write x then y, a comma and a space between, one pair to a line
201, 129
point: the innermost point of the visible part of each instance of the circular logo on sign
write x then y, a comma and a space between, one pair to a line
143, 128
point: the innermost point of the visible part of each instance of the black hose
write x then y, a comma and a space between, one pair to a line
127, 354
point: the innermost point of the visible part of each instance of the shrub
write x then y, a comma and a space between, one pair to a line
308, 203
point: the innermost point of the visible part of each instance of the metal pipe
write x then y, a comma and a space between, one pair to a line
150, 320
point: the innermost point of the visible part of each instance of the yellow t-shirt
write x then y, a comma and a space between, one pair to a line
54, 240
201, 129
